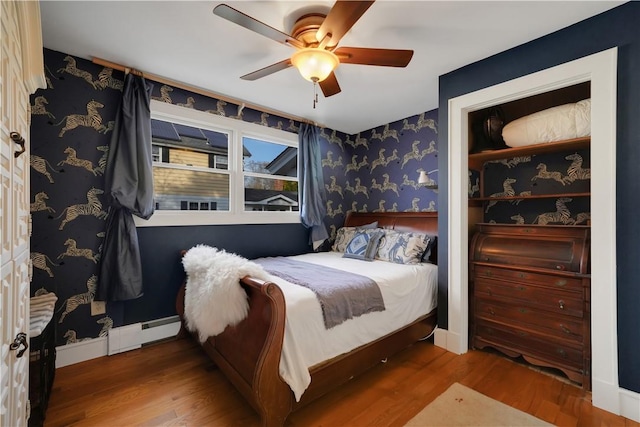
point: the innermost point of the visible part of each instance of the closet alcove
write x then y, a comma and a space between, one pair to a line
600, 70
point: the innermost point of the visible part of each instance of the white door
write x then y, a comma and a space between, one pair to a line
17, 22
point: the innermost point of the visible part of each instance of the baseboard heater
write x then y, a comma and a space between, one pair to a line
134, 336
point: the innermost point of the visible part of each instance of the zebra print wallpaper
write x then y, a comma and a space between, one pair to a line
72, 121
71, 124
545, 174
377, 170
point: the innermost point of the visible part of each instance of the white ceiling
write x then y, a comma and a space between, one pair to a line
186, 42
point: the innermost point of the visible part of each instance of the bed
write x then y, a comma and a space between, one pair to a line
250, 353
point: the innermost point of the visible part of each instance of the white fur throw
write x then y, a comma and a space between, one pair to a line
214, 298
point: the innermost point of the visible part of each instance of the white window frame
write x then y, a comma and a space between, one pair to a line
236, 129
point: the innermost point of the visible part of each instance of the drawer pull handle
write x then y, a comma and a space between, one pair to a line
488, 274
521, 288
522, 334
561, 282
523, 310
489, 292
493, 313
565, 329
562, 353
19, 341
561, 304
559, 267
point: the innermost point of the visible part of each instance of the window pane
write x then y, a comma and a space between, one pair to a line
187, 145
172, 186
264, 194
269, 158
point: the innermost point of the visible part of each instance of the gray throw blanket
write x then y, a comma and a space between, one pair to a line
342, 295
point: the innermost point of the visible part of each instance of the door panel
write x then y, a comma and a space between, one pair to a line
14, 214
6, 329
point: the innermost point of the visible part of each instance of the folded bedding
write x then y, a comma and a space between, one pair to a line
559, 123
343, 295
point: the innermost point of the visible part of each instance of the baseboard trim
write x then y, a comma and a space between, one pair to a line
70, 354
161, 329
448, 340
630, 404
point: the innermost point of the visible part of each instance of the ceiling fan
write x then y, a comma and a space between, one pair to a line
315, 38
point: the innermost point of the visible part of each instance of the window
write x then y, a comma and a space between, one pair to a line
270, 176
186, 167
209, 169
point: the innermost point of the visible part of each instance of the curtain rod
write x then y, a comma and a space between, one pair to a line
200, 91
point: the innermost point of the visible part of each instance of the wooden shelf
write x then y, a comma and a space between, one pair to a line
534, 196
478, 159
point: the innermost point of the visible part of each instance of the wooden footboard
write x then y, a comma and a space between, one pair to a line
249, 353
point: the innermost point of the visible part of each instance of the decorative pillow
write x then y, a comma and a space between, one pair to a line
369, 226
345, 234
402, 247
364, 245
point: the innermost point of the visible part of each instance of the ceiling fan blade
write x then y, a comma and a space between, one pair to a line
263, 72
330, 85
340, 19
368, 56
246, 21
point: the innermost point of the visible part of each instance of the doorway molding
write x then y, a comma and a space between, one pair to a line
601, 70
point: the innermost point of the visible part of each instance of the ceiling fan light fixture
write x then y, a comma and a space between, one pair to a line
314, 64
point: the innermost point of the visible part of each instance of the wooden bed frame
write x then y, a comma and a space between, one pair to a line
249, 353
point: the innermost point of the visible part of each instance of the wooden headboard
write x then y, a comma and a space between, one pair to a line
424, 222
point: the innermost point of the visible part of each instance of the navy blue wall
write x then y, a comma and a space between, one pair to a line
617, 27
162, 270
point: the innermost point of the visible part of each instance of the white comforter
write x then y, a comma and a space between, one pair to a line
409, 291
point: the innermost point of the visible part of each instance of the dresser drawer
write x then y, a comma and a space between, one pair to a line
530, 344
559, 326
563, 303
554, 281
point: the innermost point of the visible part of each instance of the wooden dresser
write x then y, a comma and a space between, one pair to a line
530, 295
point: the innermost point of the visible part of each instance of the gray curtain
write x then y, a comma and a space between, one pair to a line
313, 208
129, 187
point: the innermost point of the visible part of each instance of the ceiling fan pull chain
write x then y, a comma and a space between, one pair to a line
315, 94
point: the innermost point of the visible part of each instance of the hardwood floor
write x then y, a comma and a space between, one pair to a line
175, 384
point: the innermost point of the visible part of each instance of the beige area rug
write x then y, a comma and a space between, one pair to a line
462, 406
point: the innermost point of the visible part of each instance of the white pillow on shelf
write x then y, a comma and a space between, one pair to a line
559, 123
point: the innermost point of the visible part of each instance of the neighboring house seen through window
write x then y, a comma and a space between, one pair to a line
270, 176
227, 170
